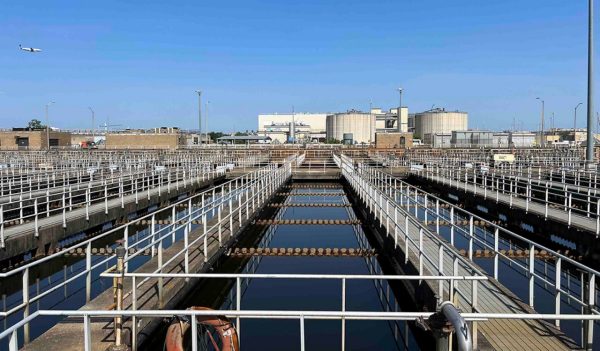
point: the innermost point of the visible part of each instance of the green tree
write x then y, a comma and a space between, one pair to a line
215, 135
35, 124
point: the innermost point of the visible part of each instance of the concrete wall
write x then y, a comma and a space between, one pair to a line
144, 141
393, 140
37, 139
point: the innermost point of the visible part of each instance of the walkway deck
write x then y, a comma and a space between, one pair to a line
21, 238
67, 335
492, 297
558, 215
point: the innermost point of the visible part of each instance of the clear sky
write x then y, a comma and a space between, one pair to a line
139, 62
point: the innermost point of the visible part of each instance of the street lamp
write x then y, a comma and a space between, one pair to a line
575, 123
370, 121
199, 116
206, 121
400, 109
48, 126
93, 123
589, 155
542, 143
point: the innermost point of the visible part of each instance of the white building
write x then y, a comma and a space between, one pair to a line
522, 139
388, 121
309, 127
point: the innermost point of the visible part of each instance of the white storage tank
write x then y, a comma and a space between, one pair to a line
360, 124
440, 121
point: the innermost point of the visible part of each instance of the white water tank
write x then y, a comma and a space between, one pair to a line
440, 121
360, 124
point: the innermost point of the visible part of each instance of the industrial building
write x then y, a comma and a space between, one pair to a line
354, 127
388, 121
312, 127
522, 139
438, 140
157, 138
244, 139
308, 127
33, 139
439, 121
393, 140
472, 138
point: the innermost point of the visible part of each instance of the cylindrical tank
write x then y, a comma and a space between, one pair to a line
360, 126
440, 121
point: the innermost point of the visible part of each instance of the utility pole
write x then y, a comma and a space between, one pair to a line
199, 117
370, 120
206, 122
93, 123
589, 156
48, 127
542, 142
293, 126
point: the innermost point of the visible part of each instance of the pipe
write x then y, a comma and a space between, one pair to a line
461, 328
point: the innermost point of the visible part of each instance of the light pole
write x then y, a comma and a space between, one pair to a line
542, 143
589, 155
199, 116
93, 123
575, 124
399, 111
206, 121
370, 121
48, 126
293, 126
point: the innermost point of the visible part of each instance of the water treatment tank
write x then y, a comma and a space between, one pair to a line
439, 121
359, 125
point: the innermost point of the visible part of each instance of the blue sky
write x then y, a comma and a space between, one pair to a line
139, 62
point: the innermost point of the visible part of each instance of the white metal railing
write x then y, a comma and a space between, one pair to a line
238, 313
237, 188
127, 189
429, 207
397, 223
576, 202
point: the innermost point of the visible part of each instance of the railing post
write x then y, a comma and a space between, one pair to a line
343, 310
557, 287
35, 213
590, 296
25, 288
471, 236
118, 321
496, 253
452, 225
531, 266
194, 333
440, 273
88, 269
1, 226
420, 251
238, 304
474, 310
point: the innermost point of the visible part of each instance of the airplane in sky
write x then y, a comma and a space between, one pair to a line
29, 49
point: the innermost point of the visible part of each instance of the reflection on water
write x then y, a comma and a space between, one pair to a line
315, 295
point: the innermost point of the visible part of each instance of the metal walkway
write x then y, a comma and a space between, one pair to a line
546, 210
